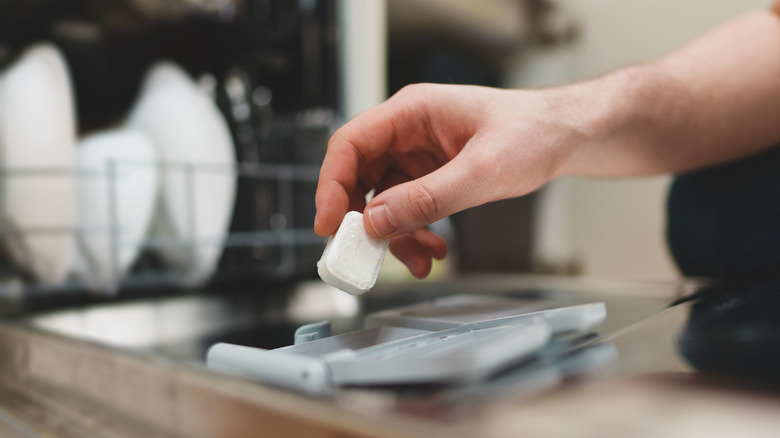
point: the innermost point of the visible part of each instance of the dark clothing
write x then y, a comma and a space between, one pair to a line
724, 222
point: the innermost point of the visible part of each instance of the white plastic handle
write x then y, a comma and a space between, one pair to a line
306, 373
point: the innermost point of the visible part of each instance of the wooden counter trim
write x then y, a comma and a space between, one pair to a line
68, 387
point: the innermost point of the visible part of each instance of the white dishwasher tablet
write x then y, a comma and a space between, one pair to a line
352, 258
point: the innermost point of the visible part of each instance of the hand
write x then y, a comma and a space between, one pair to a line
433, 150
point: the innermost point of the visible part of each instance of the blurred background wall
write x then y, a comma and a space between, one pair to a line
613, 227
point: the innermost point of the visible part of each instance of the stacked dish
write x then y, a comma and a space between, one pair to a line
37, 154
198, 164
117, 192
165, 179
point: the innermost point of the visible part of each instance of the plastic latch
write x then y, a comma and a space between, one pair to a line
312, 332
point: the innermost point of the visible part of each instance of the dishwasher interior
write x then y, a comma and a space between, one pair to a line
184, 145
183, 327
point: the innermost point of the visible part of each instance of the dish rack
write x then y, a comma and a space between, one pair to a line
270, 239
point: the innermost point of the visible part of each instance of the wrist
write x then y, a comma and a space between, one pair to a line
618, 112
591, 113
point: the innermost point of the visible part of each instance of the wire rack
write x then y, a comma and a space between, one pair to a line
270, 238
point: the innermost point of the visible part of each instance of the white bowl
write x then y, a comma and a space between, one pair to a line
37, 153
198, 180
117, 191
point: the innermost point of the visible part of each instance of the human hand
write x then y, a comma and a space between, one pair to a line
433, 150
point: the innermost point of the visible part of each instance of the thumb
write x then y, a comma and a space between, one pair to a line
415, 204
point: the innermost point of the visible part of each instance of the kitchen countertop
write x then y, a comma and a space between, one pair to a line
70, 372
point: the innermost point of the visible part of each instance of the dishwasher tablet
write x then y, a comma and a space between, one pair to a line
352, 258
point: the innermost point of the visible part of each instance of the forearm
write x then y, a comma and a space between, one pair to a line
715, 100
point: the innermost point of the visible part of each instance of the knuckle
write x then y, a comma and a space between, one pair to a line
341, 141
423, 204
409, 89
412, 91
336, 138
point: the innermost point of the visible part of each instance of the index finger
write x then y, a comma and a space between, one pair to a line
363, 139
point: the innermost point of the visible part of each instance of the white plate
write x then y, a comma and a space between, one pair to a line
37, 134
117, 191
198, 181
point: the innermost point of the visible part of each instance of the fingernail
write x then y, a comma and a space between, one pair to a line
316, 220
381, 221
